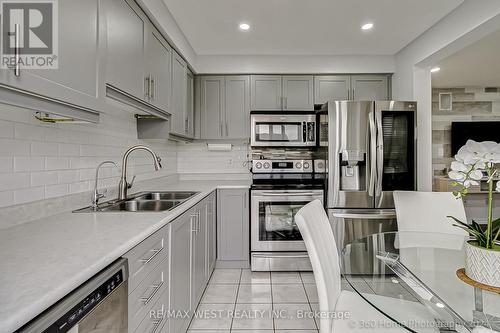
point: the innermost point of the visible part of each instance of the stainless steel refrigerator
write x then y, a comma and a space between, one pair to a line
371, 150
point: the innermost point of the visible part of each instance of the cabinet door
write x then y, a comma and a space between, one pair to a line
178, 110
332, 87
298, 93
159, 66
233, 225
78, 59
211, 234
266, 93
198, 259
180, 270
126, 27
212, 106
189, 105
237, 115
369, 88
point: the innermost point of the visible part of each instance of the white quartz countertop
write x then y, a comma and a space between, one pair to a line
44, 260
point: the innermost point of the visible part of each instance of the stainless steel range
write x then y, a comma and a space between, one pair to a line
280, 188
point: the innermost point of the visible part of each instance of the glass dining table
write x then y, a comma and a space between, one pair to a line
411, 278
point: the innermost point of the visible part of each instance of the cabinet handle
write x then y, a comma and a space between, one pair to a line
155, 253
17, 66
227, 129
286, 102
193, 224
152, 87
156, 287
353, 94
146, 87
186, 125
221, 132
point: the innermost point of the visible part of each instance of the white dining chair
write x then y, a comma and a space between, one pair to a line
316, 231
428, 211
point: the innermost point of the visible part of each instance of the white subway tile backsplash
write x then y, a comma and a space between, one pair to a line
44, 149
56, 163
6, 164
11, 181
53, 191
27, 163
28, 132
6, 129
68, 176
79, 187
29, 195
44, 178
6, 198
69, 149
10, 147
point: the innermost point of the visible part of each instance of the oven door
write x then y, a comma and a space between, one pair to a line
273, 212
283, 131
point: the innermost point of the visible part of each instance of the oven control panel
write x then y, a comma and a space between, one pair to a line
282, 166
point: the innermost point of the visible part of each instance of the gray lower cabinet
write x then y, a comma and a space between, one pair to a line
225, 107
192, 236
331, 87
126, 31
79, 50
233, 228
211, 234
369, 87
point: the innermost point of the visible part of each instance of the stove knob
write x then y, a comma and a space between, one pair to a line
306, 165
266, 165
298, 165
258, 165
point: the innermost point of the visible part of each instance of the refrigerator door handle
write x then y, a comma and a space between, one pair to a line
373, 153
380, 153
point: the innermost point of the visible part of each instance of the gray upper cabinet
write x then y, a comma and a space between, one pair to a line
266, 92
126, 27
233, 228
159, 66
179, 85
189, 116
331, 87
224, 107
237, 108
276, 93
212, 106
75, 80
298, 93
369, 87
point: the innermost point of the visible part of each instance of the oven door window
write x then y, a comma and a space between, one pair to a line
278, 132
277, 221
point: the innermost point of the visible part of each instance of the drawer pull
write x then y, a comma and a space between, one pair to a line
155, 253
156, 287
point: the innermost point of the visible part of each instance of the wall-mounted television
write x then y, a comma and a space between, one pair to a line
473, 130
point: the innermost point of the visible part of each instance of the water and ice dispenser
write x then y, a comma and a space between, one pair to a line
353, 170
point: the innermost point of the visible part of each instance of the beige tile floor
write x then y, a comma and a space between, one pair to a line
263, 302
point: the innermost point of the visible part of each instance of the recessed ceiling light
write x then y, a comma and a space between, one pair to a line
244, 26
435, 69
440, 305
367, 26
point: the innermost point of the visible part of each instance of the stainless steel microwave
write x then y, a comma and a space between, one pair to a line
283, 130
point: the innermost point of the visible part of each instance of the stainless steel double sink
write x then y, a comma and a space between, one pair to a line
143, 202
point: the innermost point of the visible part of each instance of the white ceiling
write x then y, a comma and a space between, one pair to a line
305, 27
477, 65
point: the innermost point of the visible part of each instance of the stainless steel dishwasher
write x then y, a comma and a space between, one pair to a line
99, 305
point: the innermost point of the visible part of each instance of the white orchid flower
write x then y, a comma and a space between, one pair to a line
469, 182
459, 166
457, 176
476, 175
498, 187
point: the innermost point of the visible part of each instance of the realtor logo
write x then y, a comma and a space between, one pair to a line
29, 34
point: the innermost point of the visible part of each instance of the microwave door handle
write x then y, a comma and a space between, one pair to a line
304, 131
380, 153
373, 154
